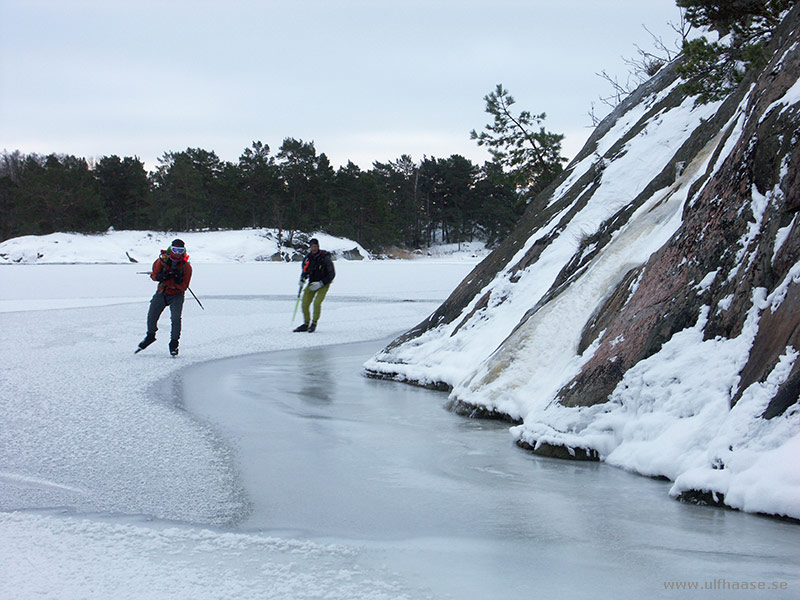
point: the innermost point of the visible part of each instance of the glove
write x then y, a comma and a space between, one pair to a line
177, 278
302, 281
162, 276
315, 285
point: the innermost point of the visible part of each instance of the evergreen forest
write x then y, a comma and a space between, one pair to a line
400, 203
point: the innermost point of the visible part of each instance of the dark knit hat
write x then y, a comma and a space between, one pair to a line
177, 242
313, 241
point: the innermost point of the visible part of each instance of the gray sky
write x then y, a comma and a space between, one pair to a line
364, 80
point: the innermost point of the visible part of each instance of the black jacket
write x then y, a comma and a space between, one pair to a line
319, 267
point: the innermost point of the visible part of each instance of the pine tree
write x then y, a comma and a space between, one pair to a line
726, 16
260, 186
711, 70
532, 157
124, 190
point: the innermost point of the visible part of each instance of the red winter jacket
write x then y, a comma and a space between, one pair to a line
166, 264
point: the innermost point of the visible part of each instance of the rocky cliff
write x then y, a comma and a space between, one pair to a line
645, 310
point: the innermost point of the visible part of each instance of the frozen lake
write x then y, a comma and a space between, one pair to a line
449, 504
354, 488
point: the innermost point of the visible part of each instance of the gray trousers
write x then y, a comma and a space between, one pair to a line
158, 303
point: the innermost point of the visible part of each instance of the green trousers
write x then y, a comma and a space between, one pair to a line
316, 297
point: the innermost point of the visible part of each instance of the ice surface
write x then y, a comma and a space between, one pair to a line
329, 456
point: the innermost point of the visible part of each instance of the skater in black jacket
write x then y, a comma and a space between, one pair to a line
318, 270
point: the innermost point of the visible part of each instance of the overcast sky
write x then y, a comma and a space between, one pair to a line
365, 80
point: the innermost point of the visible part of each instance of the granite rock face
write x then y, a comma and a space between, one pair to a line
752, 198
674, 219
738, 234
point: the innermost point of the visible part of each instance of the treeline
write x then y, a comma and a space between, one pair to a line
402, 202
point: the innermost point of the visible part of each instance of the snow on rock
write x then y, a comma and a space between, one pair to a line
643, 311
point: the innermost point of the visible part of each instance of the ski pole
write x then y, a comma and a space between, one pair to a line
296, 304
196, 298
